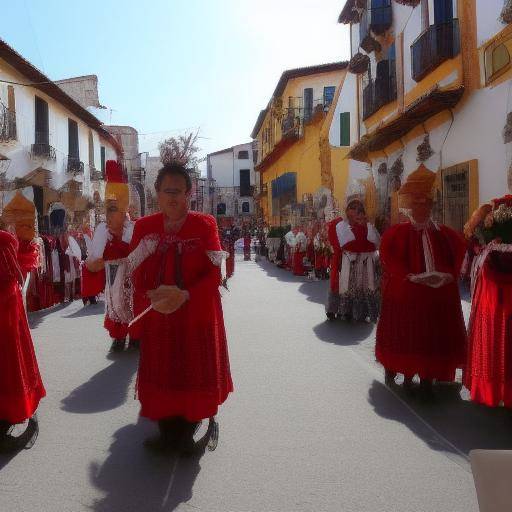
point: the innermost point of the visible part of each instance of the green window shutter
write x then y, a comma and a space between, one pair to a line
345, 129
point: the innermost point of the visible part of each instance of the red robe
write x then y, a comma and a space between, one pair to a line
333, 300
184, 364
488, 374
21, 387
247, 248
421, 329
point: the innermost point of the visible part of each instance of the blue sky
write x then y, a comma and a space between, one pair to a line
169, 65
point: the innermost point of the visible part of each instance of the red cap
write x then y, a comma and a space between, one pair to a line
114, 172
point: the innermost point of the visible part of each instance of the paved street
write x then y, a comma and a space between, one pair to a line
310, 427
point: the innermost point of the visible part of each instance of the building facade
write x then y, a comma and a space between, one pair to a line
49, 143
430, 81
231, 181
303, 177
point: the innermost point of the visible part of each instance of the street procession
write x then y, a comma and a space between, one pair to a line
293, 295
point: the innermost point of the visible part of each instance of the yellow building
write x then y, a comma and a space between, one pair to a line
295, 159
433, 80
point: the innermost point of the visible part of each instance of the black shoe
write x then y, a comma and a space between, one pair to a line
185, 443
408, 385
426, 390
331, 316
134, 344
93, 300
117, 346
26, 440
389, 378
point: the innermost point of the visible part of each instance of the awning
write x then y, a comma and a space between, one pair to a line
417, 113
285, 183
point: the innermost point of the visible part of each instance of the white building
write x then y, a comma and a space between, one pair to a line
436, 90
49, 141
232, 173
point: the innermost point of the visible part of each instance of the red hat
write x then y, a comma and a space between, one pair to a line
114, 172
505, 200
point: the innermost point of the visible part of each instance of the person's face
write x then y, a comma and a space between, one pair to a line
173, 197
356, 213
115, 217
421, 208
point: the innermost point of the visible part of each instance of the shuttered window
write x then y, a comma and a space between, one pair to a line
245, 182
42, 135
73, 150
91, 149
345, 129
102, 156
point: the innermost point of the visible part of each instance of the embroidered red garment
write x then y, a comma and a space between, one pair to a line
488, 374
184, 364
361, 242
21, 387
421, 329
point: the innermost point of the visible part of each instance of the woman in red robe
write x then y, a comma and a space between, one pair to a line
184, 372
421, 327
488, 373
21, 387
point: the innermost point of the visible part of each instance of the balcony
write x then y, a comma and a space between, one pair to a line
95, 174
74, 165
436, 45
7, 124
41, 148
377, 94
377, 20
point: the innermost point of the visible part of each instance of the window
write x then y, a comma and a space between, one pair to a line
329, 95
245, 182
345, 129
308, 103
73, 151
246, 207
91, 150
497, 60
221, 209
243, 155
103, 158
42, 135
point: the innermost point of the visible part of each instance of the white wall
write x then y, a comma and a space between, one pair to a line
18, 151
243, 164
222, 170
347, 102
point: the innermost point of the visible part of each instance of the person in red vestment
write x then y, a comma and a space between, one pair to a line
110, 245
184, 372
299, 252
421, 327
333, 298
21, 387
488, 373
228, 244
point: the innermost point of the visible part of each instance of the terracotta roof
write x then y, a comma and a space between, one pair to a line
296, 73
346, 16
417, 113
44, 84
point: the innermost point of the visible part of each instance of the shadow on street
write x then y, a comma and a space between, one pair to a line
90, 310
466, 425
134, 479
36, 318
107, 389
343, 333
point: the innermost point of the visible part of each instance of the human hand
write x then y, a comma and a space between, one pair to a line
167, 299
436, 280
95, 265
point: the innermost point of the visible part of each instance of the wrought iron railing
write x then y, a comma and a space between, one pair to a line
7, 124
377, 93
41, 147
95, 174
74, 165
437, 44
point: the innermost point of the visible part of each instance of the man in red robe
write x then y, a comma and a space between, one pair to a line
21, 387
247, 246
184, 372
332, 306
488, 373
421, 329
110, 245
